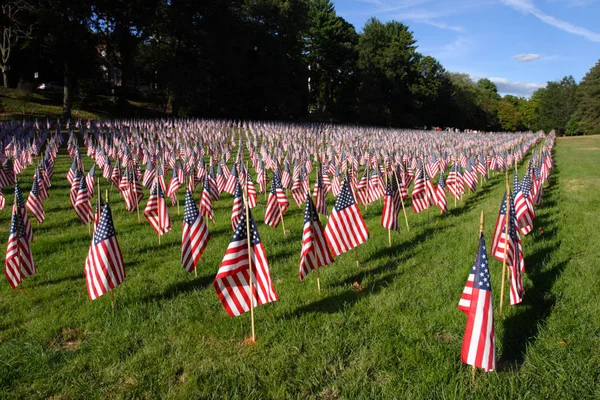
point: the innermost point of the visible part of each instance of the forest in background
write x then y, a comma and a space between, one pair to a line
294, 60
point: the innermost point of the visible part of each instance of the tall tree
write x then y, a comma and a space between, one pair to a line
16, 24
387, 56
586, 119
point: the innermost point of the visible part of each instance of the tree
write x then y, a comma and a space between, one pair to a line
586, 119
16, 25
556, 104
331, 56
386, 61
509, 116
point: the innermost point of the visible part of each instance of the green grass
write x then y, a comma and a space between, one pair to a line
400, 337
20, 104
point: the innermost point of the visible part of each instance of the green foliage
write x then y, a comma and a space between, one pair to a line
397, 335
586, 119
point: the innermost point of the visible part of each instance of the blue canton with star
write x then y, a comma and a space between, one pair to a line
346, 199
190, 211
106, 228
481, 270
240, 231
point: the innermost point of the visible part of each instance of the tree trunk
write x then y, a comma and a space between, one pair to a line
68, 85
5, 76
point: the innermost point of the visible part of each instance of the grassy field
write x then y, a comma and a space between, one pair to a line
23, 104
387, 329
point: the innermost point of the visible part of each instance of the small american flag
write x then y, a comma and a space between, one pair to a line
346, 228
34, 202
104, 269
232, 282
19, 261
195, 234
479, 342
156, 211
315, 252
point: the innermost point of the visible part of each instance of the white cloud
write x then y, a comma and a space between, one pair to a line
506, 86
527, 57
528, 7
455, 49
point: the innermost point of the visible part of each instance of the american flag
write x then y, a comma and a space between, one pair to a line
19, 263
420, 195
479, 342
2, 200
300, 187
34, 202
251, 191
346, 228
104, 269
524, 206
277, 203
315, 252
149, 174
238, 205
206, 206
156, 211
319, 194
22, 210
89, 180
232, 181
195, 234
174, 186
391, 207
511, 246
82, 206
232, 282
440, 193
115, 176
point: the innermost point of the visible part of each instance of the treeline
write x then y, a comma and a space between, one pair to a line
267, 59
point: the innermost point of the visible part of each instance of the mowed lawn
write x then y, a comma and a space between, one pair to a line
386, 329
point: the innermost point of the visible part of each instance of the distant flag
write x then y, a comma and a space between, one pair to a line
232, 282
19, 260
21, 208
82, 206
346, 228
89, 180
104, 268
238, 205
277, 203
315, 252
34, 202
206, 206
391, 207
440, 194
319, 194
2, 200
479, 342
156, 211
195, 234
419, 196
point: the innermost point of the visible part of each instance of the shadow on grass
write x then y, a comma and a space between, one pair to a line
181, 287
522, 328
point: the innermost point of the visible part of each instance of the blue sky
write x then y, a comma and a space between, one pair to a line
518, 44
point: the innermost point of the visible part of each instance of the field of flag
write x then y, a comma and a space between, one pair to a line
355, 289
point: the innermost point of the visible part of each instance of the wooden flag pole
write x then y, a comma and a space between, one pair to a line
506, 238
389, 230
402, 201
112, 294
250, 272
190, 184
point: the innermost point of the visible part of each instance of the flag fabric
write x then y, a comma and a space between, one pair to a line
22, 210
82, 207
524, 207
238, 205
440, 194
104, 268
195, 234
277, 203
419, 196
232, 282
2, 201
391, 207
156, 211
34, 202
479, 342
19, 260
315, 252
346, 227
206, 206
319, 194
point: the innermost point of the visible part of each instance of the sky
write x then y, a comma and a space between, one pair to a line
520, 45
